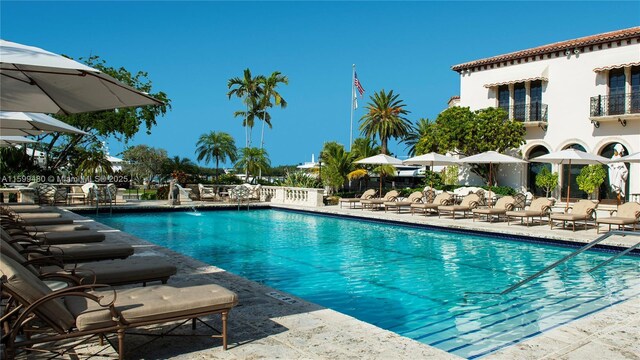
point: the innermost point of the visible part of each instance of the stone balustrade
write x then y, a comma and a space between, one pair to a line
292, 196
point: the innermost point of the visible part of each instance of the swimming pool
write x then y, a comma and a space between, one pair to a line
408, 280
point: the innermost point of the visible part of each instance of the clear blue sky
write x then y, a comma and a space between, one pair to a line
191, 49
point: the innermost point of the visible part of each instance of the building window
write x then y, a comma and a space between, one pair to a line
519, 102
635, 89
535, 95
503, 98
576, 193
617, 86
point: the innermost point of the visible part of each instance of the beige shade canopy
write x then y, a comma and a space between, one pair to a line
24, 124
6, 141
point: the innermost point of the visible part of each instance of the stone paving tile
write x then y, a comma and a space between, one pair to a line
262, 327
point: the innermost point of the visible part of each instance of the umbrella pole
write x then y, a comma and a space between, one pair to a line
431, 176
380, 195
568, 186
489, 197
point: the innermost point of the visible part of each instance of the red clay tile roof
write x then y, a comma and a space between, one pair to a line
559, 46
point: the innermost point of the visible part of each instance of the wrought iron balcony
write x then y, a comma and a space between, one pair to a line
534, 113
613, 105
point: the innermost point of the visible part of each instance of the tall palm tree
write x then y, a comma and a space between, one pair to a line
249, 89
269, 87
92, 163
219, 146
253, 160
385, 118
417, 132
180, 164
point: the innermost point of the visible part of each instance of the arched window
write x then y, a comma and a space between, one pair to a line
534, 169
607, 196
576, 193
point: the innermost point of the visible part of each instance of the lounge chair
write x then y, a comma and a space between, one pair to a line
113, 272
468, 203
414, 197
61, 237
441, 199
501, 207
539, 207
627, 214
373, 203
581, 210
91, 310
354, 201
72, 253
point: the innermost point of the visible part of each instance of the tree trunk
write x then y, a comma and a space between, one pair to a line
383, 145
217, 170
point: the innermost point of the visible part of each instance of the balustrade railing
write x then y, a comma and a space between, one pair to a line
527, 112
619, 104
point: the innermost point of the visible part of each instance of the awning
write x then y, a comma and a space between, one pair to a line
522, 76
618, 66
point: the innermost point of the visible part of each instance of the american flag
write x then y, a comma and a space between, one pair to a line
358, 85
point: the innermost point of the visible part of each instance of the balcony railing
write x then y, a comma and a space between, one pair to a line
608, 105
527, 112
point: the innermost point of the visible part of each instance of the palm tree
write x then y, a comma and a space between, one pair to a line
180, 164
337, 163
363, 148
253, 160
219, 146
269, 85
249, 89
92, 163
417, 132
385, 118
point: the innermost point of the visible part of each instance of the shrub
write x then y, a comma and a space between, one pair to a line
434, 178
229, 179
501, 190
162, 193
590, 178
148, 196
547, 180
301, 179
450, 175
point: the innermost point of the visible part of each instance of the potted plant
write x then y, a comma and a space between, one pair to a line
590, 178
547, 180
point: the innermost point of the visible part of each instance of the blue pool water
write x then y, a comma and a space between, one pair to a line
405, 279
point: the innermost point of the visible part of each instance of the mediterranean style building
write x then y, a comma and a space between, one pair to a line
582, 93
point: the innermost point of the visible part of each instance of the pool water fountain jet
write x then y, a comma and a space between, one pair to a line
195, 211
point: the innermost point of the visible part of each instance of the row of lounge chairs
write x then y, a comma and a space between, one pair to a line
56, 277
583, 211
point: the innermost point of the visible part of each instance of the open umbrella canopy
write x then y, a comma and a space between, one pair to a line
380, 159
6, 141
632, 158
36, 80
490, 157
431, 159
19, 123
572, 157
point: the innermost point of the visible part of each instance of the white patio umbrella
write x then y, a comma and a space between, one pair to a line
36, 80
491, 157
431, 159
632, 158
569, 157
6, 141
380, 159
19, 123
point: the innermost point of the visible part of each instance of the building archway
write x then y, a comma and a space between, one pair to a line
534, 168
574, 170
606, 196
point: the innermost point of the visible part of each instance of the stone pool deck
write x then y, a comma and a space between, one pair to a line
264, 327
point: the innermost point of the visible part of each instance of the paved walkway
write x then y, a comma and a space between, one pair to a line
265, 327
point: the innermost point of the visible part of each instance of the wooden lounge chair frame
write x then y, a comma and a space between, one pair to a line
24, 312
627, 214
501, 207
581, 210
443, 198
369, 194
468, 203
372, 204
539, 207
415, 197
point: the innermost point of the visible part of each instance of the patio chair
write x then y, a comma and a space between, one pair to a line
468, 203
76, 193
429, 196
539, 207
207, 193
581, 210
373, 203
415, 197
89, 310
501, 207
519, 201
112, 272
627, 214
369, 194
443, 198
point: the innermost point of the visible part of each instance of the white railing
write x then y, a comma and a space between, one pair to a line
292, 196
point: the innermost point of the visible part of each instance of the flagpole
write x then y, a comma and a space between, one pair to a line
353, 95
